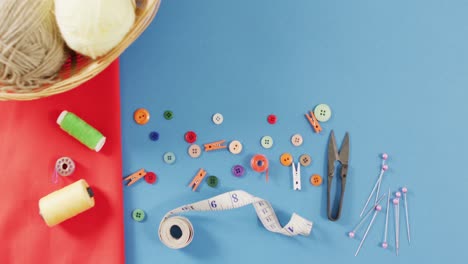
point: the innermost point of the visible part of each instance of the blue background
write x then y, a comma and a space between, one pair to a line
393, 72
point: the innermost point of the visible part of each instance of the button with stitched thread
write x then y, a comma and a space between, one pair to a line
212, 181
267, 142
218, 118
235, 147
168, 115
169, 157
322, 112
305, 160
190, 137
272, 119
138, 215
297, 140
141, 116
286, 159
238, 170
194, 151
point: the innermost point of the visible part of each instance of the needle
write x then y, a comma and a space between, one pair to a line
396, 203
384, 168
377, 209
384, 243
377, 183
405, 190
353, 233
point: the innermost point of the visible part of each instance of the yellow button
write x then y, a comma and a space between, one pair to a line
316, 180
141, 116
286, 159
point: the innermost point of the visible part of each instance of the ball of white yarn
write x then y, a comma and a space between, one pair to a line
31, 48
94, 27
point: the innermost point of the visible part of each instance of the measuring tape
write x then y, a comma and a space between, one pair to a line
177, 231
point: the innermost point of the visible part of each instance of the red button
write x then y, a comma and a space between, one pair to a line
271, 119
190, 137
150, 177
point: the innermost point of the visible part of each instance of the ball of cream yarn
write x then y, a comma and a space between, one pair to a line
94, 27
31, 48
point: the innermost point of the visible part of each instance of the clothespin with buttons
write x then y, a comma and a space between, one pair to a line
313, 122
197, 179
135, 177
215, 145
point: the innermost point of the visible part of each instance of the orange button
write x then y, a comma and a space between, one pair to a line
316, 180
286, 159
141, 116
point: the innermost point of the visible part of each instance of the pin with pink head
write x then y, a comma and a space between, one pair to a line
385, 245
351, 234
378, 208
404, 190
384, 156
396, 201
398, 194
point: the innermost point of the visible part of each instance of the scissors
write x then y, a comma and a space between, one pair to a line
342, 156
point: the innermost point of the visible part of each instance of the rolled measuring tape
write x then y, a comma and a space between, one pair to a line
64, 166
177, 232
66, 203
259, 163
81, 131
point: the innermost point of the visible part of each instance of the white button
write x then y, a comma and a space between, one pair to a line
169, 157
322, 112
194, 151
218, 118
297, 140
235, 147
267, 142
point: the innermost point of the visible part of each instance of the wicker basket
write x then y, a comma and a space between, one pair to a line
79, 69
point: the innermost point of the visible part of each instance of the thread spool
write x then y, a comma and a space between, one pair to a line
64, 166
176, 232
66, 203
259, 163
80, 130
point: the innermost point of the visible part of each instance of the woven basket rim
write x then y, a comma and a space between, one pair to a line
91, 70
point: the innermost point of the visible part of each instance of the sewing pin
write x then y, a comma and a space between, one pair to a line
351, 234
377, 209
384, 243
405, 190
377, 183
396, 203
384, 168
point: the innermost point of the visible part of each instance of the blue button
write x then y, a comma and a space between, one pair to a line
154, 136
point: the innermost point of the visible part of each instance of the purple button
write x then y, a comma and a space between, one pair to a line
238, 170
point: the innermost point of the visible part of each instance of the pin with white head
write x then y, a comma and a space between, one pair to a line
377, 184
396, 203
384, 243
404, 190
377, 209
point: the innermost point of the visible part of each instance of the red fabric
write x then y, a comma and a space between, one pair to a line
30, 143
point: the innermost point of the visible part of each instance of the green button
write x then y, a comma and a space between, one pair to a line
322, 112
267, 142
138, 215
169, 157
212, 181
168, 115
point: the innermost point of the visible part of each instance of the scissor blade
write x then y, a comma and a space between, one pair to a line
332, 153
344, 150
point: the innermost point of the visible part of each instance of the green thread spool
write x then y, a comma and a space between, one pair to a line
80, 130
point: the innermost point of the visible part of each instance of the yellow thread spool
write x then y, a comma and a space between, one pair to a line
66, 203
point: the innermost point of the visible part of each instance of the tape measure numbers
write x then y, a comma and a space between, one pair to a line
177, 231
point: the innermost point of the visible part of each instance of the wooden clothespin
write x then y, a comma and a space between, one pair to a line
215, 145
313, 122
197, 179
135, 177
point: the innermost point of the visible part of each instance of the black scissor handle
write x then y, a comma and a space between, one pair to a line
340, 205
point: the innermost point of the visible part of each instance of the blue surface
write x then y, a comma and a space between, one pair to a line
395, 76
